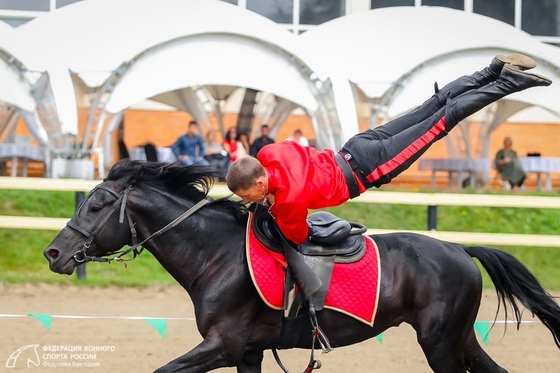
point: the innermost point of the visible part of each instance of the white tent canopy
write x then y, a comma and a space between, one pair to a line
167, 45
171, 66
14, 90
97, 36
417, 46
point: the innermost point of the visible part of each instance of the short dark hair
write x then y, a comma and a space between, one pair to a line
243, 173
193, 123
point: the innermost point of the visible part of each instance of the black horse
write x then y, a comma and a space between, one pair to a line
434, 286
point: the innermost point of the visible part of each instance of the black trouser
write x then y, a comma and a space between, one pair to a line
378, 155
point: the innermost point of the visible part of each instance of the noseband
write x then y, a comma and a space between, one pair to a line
136, 248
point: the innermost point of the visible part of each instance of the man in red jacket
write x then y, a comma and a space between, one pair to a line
291, 179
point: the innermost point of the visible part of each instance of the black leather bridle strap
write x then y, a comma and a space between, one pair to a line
169, 226
81, 256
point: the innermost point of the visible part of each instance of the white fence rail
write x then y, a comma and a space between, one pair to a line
425, 199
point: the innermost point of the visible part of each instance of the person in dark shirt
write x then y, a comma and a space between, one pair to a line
261, 141
190, 148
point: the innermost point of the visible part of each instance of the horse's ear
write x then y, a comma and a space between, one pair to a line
128, 180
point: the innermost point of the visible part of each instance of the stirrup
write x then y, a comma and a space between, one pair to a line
317, 332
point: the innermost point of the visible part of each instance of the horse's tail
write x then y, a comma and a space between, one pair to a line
515, 283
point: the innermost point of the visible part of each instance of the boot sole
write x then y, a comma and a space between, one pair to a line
520, 60
540, 80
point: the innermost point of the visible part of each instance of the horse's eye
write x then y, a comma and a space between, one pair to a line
95, 208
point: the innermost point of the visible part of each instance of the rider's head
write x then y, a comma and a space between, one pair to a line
248, 179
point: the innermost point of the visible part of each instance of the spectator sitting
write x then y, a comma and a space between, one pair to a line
216, 154
261, 141
190, 148
508, 165
243, 145
230, 144
298, 137
213, 147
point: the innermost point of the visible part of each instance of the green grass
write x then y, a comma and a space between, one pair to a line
21, 250
21, 258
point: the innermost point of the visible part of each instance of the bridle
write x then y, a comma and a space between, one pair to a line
136, 248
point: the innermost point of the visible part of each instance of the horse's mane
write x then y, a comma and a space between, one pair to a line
193, 182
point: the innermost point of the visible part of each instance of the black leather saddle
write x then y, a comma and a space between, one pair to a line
331, 240
328, 235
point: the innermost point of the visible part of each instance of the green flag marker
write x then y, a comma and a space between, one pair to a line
483, 329
44, 318
158, 324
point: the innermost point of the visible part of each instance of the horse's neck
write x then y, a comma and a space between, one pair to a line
190, 263
196, 246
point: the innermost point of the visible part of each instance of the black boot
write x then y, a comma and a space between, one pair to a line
482, 77
512, 79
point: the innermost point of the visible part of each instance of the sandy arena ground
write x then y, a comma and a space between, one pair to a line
135, 346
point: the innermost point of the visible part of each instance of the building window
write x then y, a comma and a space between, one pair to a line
298, 15
280, 11
315, 12
36, 5
376, 4
540, 17
502, 10
454, 4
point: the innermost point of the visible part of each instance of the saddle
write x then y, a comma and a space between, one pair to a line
331, 240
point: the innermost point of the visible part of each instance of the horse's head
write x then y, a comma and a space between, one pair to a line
103, 223
99, 227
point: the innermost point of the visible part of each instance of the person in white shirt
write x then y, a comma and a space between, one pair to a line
243, 145
298, 137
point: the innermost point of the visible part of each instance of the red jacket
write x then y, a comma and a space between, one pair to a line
301, 178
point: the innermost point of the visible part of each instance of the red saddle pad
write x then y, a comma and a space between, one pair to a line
354, 288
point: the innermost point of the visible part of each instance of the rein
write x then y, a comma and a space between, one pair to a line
136, 248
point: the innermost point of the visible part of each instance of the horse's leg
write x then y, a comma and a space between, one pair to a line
441, 344
445, 321
226, 334
251, 362
206, 356
218, 350
477, 360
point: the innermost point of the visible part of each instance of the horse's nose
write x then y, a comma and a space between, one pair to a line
51, 253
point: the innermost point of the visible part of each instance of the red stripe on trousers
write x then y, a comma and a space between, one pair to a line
408, 152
